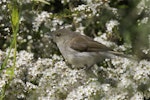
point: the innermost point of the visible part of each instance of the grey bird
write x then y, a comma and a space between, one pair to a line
81, 51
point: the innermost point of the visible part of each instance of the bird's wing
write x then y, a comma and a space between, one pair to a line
86, 44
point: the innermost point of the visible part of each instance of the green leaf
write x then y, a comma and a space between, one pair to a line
10, 72
15, 16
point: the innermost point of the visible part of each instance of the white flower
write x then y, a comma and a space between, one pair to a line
145, 20
2, 83
81, 7
137, 96
103, 39
40, 19
146, 51
84, 92
30, 86
111, 24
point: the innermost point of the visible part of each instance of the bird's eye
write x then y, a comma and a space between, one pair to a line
58, 34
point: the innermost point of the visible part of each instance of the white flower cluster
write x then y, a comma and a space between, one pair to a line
65, 1
90, 7
103, 39
85, 92
81, 8
58, 81
142, 5
111, 24
92, 10
43, 17
52, 79
56, 22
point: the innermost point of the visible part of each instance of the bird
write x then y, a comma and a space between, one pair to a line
82, 51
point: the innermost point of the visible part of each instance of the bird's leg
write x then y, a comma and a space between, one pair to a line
69, 65
109, 63
88, 67
90, 73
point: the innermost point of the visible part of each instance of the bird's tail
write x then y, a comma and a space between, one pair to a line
123, 55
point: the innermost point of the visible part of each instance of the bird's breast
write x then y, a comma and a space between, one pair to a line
81, 58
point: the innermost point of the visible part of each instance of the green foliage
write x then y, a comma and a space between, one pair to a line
15, 26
